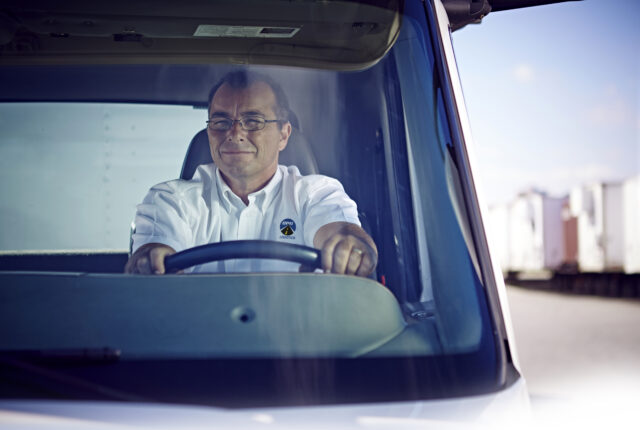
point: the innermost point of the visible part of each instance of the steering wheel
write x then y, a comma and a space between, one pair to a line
267, 249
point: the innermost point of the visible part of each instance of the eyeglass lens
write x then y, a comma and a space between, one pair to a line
248, 124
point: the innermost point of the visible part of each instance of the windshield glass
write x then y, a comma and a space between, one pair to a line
81, 145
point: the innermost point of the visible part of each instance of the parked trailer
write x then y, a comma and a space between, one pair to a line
587, 243
605, 218
631, 220
598, 208
535, 232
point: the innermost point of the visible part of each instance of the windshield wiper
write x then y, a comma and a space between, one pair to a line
26, 367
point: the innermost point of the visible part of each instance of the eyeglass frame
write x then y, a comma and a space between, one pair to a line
262, 121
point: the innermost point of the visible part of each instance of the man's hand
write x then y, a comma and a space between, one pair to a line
346, 249
148, 259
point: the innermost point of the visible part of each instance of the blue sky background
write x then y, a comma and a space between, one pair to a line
553, 95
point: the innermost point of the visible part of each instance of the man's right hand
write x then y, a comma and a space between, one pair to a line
149, 259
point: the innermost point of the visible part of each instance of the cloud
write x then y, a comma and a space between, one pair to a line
523, 73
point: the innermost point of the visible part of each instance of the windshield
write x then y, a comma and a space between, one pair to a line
82, 144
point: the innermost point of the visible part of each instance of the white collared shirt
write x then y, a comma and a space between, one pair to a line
290, 208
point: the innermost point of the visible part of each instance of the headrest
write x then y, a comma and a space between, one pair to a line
297, 153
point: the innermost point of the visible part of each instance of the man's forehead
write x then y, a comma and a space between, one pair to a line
258, 96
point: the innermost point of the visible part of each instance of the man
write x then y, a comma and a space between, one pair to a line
247, 195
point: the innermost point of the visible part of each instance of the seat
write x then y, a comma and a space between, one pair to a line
297, 153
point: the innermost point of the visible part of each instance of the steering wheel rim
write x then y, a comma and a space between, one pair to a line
241, 249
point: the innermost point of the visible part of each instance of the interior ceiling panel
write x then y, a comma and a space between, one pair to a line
328, 34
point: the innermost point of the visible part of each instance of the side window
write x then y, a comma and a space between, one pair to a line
71, 174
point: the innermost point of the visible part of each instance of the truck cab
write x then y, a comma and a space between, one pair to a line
100, 101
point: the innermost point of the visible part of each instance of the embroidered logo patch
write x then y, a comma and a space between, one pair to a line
287, 227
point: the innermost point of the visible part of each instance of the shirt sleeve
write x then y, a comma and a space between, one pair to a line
325, 202
163, 217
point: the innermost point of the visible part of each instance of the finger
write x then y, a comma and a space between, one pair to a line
327, 253
142, 265
156, 257
355, 259
130, 267
341, 257
366, 265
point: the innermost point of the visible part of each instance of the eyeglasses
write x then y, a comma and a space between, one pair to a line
250, 123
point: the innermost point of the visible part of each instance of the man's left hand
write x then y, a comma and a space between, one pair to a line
346, 249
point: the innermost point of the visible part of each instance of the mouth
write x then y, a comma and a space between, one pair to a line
236, 152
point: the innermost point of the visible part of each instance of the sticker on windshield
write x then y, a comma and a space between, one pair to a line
242, 31
288, 228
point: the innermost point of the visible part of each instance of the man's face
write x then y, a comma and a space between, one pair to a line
241, 155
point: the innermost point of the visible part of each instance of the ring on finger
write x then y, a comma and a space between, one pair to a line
357, 251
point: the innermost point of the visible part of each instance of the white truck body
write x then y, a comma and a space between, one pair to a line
535, 232
631, 209
598, 208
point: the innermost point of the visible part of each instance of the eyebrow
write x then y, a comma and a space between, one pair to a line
246, 113
252, 113
218, 113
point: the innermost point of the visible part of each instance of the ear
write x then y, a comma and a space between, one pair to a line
285, 133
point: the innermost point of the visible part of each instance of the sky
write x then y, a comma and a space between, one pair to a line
553, 95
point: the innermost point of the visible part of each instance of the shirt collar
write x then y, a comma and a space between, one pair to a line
261, 198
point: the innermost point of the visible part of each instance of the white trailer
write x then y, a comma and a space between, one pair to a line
631, 223
536, 240
598, 208
589, 246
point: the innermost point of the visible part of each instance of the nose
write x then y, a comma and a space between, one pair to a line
236, 132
